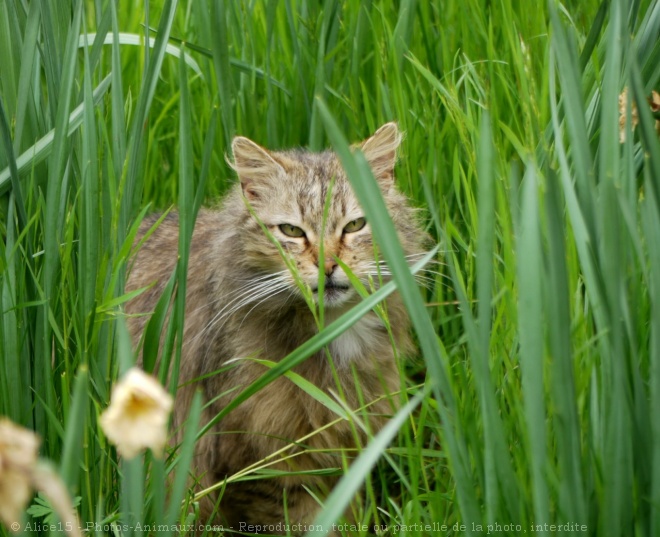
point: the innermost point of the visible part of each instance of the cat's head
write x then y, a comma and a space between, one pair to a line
287, 191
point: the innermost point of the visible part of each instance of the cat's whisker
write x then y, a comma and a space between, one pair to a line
264, 276
250, 283
259, 299
422, 279
426, 282
384, 268
422, 254
436, 262
384, 263
412, 258
247, 296
237, 295
437, 273
258, 294
267, 297
417, 255
269, 278
215, 327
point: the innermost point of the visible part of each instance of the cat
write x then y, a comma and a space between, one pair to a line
243, 302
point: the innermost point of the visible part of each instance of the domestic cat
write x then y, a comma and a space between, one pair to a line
243, 302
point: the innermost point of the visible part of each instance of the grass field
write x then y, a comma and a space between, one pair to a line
533, 395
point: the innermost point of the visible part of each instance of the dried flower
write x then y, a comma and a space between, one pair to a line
654, 104
654, 101
18, 457
634, 117
137, 416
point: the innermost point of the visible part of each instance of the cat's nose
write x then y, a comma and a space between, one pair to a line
329, 266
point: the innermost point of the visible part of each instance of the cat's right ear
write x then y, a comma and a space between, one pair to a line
255, 166
380, 151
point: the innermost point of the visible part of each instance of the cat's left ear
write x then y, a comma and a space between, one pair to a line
380, 151
256, 167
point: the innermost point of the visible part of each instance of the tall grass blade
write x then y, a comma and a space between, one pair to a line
186, 213
497, 463
117, 98
531, 322
184, 458
12, 168
90, 201
617, 431
220, 49
28, 55
569, 76
75, 428
562, 381
122, 38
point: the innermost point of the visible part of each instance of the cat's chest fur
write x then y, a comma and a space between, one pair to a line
358, 341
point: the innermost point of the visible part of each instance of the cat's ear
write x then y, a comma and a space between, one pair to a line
380, 151
255, 166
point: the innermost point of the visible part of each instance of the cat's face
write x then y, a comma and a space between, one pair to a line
318, 230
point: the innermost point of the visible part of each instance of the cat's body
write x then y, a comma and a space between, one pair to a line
242, 303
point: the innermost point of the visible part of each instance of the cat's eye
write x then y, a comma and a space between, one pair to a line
355, 225
291, 230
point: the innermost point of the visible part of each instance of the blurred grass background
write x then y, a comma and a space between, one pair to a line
544, 352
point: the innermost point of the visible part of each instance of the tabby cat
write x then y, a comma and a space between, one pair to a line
243, 302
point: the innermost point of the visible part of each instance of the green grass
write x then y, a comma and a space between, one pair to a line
532, 398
